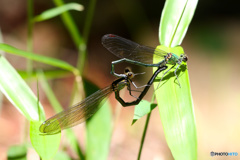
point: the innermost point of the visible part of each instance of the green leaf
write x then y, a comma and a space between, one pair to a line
58, 108
45, 145
77, 38
176, 111
50, 74
18, 92
62, 156
17, 152
57, 11
175, 19
142, 109
99, 129
175, 103
43, 59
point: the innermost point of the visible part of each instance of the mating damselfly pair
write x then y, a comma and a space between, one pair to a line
130, 52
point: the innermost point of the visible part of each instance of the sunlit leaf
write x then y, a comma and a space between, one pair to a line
18, 92
142, 109
175, 102
175, 19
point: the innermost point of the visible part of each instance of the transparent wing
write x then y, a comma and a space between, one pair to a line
124, 48
75, 114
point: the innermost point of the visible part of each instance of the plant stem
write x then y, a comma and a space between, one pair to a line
145, 130
76, 36
30, 35
29, 62
144, 135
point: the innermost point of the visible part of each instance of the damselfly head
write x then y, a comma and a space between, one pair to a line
129, 73
184, 57
127, 70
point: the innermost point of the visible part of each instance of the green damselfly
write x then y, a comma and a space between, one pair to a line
80, 112
135, 53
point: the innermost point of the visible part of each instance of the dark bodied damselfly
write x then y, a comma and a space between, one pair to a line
135, 53
143, 93
79, 112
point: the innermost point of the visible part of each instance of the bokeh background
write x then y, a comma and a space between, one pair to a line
212, 44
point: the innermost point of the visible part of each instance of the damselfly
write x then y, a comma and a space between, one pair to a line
78, 113
143, 93
138, 54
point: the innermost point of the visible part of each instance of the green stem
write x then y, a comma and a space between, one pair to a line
30, 35
86, 30
89, 18
29, 62
76, 36
144, 131
144, 135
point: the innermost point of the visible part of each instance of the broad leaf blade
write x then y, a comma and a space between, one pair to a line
18, 92
176, 111
175, 103
175, 19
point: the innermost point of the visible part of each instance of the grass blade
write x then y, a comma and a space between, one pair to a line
50, 74
57, 11
18, 92
43, 59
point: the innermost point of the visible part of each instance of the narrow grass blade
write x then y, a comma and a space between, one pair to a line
45, 145
175, 19
72, 27
18, 92
142, 109
43, 59
78, 39
49, 74
57, 11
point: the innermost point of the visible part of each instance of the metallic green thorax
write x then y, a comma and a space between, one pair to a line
174, 59
173, 55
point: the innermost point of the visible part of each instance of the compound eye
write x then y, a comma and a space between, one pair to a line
127, 70
185, 58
